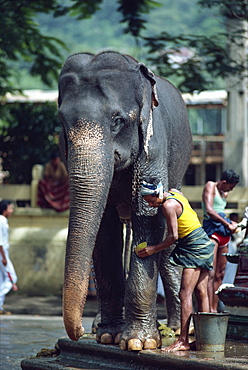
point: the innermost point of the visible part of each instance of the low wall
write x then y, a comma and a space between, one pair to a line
38, 239
37, 249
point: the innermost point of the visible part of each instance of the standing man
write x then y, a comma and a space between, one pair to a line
218, 228
193, 252
8, 276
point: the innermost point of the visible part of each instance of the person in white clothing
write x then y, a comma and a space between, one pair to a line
8, 277
236, 239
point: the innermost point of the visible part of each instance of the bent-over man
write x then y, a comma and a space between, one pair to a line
194, 252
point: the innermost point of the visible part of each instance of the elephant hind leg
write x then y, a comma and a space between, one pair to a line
106, 334
109, 334
110, 278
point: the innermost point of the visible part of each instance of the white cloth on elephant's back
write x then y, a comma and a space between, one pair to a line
151, 189
193, 251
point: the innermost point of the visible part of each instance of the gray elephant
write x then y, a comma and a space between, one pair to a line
121, 123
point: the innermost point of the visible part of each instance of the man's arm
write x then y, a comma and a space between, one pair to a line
171, 210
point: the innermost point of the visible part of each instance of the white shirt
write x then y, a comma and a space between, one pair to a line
4, 233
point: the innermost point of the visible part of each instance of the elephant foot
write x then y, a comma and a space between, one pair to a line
140, 341
108, 335
137, 345
108, 338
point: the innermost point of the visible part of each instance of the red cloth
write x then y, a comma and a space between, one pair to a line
222, 240
54, 194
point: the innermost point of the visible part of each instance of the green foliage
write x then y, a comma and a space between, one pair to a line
230, 8
31, 55
84, 9
21, 41
28, 134
100, 32
28, 49
24, 46
132, 10
206, 59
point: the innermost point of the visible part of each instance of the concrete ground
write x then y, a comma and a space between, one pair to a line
36, 323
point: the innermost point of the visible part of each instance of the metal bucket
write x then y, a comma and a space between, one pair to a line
210, 331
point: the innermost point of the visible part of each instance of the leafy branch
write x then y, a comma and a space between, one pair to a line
195, 60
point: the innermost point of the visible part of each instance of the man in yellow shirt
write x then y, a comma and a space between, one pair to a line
194, 252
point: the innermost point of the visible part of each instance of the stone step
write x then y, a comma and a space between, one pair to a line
87, 354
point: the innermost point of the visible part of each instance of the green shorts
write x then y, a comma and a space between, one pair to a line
195, 250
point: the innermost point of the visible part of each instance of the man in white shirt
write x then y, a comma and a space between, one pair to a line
8, 276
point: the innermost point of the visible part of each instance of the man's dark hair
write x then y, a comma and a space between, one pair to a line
54, 155
4, 205
233, 216
230, 176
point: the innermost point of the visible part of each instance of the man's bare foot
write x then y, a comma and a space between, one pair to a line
179, 345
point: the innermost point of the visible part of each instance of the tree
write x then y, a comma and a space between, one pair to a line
22, 43
195, 61
28, 134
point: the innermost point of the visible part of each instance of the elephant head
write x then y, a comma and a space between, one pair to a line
105, 105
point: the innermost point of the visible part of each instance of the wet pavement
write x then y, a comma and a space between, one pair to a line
24, 335
35, 323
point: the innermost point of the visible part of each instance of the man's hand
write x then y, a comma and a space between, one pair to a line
14, 287
147, 251
232, 227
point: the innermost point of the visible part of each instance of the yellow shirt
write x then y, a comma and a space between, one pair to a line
188, 220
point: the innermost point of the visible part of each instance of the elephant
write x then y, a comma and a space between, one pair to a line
120, 124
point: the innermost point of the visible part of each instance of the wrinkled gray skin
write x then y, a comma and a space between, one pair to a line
120, 124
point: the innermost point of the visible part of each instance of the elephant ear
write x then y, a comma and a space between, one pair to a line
143, 166
149, 102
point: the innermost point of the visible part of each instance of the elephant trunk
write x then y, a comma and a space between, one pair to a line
90, 173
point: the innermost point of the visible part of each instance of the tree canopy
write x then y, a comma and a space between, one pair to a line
29, 133
22, 41
172, 38
24, 45
197, 60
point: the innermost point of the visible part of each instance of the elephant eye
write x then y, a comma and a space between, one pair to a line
117, 123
